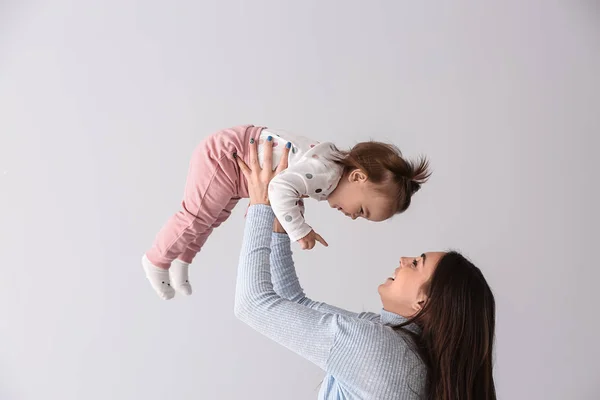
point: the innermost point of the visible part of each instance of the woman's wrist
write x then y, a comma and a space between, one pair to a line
259, 205
260, 202
277, 228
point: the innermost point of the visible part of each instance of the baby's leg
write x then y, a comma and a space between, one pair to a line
209, 190
159, 279
179, 267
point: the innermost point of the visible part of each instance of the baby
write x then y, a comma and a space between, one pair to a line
372, 180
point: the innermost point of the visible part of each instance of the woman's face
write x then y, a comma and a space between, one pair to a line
404, 293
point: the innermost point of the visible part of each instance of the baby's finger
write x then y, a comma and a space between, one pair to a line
321, 240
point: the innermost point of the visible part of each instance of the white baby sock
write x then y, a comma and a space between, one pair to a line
179, 277
159, 279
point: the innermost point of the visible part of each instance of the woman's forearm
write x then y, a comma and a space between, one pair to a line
277, 228
306, 331
285, 279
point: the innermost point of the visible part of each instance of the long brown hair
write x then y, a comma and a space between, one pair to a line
385, 166
457, 338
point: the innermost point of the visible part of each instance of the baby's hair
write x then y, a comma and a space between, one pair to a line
385, 166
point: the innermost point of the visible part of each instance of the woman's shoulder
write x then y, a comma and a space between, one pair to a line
363, 345
372, 332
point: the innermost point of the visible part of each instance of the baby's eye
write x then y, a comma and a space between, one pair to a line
414, 263
361, 211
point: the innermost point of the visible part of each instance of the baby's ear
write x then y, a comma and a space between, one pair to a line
357, 175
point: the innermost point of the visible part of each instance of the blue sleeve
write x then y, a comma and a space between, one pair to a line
306, 331
286, 283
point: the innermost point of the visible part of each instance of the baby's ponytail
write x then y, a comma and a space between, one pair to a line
385, 166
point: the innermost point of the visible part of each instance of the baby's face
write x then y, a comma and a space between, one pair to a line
356, 197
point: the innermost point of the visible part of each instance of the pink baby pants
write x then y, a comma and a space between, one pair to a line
214, 185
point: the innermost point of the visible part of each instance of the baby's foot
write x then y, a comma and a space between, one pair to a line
179, 277
159, 279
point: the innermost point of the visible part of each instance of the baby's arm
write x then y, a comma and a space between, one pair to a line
311, 177
285, 191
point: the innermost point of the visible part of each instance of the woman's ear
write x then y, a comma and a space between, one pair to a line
420, 303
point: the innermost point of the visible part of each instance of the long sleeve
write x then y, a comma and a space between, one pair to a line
308, 332
313, 177
363, 359
286, 283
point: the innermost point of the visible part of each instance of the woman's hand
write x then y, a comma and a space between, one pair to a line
258, 178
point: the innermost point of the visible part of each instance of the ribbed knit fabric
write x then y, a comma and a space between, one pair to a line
363, 357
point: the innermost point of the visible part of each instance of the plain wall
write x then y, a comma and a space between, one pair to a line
102, 103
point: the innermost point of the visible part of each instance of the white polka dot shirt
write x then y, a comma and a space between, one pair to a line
311, 172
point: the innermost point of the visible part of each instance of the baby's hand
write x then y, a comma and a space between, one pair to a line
309, 241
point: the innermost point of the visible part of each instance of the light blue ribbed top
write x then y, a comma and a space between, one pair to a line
363, 357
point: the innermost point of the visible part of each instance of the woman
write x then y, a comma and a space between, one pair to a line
433, 339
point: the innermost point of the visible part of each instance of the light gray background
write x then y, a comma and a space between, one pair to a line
102, 102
